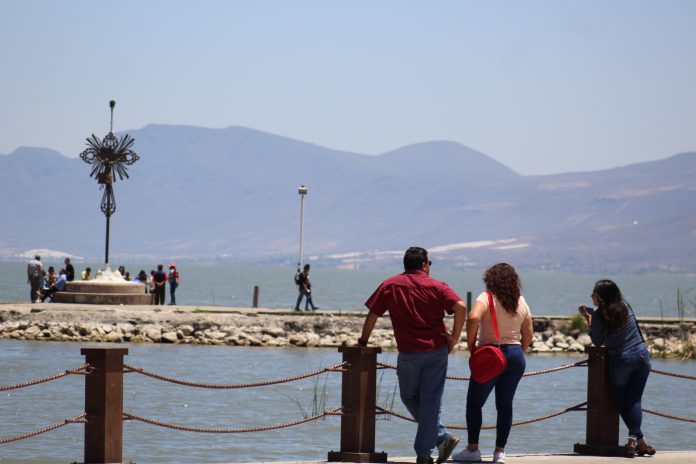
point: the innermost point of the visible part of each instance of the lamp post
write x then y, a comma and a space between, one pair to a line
302, 190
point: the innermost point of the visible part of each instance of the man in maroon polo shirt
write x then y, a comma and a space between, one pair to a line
417, 305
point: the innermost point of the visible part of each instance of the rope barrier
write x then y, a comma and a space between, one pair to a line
526, 374
577, 407
334, 368
77, 370
72, 420
672, 374
669, 416
330, 412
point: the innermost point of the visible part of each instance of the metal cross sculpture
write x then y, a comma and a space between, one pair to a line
109, 158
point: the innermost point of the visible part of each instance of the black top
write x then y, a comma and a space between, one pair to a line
69, 272
303, 280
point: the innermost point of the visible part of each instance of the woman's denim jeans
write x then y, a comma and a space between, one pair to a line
505, 385
421, 383
628, 374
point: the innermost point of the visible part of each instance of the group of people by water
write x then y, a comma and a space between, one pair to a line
46, 283
417, 305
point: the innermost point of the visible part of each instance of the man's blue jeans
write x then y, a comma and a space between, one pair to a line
628, 374
505, 386
421, 383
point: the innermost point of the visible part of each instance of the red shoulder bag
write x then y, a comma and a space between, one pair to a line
488, 361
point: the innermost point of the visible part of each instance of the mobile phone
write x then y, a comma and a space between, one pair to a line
586, 310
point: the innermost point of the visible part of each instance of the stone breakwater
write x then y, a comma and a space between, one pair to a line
273, 328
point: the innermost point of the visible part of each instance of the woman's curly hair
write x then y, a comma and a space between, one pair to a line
502, 280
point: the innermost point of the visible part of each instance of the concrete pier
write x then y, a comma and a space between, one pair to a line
662, 457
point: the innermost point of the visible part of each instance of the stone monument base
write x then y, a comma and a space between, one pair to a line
109, 288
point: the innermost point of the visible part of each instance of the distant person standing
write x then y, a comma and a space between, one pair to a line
160, 280
34, 275
173, 283
69, 270
304, 289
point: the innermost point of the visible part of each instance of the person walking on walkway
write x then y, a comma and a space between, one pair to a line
417, 305
614, 325
514, 321
34, 275
160, 280
304, 287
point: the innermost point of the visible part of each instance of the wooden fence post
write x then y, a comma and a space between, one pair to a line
255, 300
602, 427
358, 400
104, 405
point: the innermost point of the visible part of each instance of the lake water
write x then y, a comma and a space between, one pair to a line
34, 407
548, 292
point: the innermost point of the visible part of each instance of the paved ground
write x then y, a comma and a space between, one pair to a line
663, 457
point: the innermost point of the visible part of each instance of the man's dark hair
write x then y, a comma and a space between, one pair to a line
414, 258
306, 267
160, 267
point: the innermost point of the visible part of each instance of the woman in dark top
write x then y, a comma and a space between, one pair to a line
614, 325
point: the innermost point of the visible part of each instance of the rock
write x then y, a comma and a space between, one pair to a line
540, 347
186, 330
154, 334
659, 344
273, 331
576, 347
169, 337
562, 345
298, 340
584, 340
113, 337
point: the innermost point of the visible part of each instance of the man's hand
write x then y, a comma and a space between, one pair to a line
452, 343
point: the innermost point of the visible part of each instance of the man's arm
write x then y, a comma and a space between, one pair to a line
459, 309
368, 326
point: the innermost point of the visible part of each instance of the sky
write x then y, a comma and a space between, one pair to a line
542, 86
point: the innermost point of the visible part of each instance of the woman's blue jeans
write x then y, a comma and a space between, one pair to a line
421, 383
628, 374
505, 386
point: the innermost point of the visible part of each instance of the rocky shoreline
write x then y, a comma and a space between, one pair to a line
276, 328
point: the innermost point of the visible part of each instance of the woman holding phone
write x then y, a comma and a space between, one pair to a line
614, 325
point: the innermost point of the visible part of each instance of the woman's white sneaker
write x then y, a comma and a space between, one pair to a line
499, 456
467, 456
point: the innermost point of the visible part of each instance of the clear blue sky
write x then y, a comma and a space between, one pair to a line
542, 86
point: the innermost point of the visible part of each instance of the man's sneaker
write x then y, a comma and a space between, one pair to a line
444, 449
468, 456
499, 456
424, 460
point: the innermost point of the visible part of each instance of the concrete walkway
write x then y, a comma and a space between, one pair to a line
664, 457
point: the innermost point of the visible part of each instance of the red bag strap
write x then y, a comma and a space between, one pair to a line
491, 308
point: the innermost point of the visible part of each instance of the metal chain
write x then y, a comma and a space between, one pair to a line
526, 374
330, 412
72, 420
77, 370
669, 416
334, 368
672, 374
577, 407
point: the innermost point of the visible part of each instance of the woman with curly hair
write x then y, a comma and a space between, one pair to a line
514, 322
614, 325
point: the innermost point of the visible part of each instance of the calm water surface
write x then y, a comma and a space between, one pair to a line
35, 407
548, 292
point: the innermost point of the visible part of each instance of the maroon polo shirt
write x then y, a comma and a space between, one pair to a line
417, 305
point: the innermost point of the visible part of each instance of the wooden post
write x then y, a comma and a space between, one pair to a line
255, 301
358, 400
104, 405
602, 428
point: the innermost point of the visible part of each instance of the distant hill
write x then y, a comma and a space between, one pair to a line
211, 193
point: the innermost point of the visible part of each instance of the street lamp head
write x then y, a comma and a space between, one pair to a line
302, 190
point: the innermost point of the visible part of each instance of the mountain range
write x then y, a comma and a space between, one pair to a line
231, 194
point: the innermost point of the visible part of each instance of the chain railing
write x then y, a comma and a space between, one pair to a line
340, 367
357, 411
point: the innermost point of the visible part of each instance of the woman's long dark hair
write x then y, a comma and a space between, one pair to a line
503, 281
612, 307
